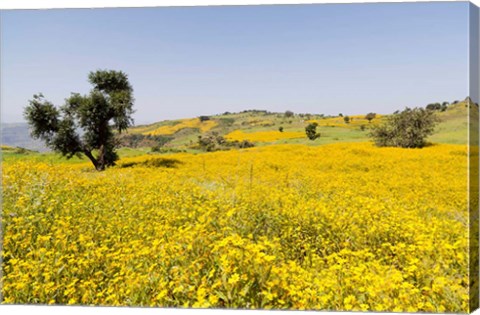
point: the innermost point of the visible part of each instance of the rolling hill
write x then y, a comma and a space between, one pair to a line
257, 126
263, 128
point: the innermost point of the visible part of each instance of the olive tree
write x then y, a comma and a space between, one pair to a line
85, 124
406, 129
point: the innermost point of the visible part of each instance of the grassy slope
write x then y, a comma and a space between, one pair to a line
452, 128
453, 125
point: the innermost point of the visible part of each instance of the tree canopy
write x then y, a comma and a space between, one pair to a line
406, 129
85, 124
311, 131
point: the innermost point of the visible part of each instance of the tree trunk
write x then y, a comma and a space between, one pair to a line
101, 158
98, 166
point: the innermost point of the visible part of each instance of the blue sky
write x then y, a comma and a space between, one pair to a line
190, 61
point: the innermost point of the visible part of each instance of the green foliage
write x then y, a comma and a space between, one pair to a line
346, 119
289, 113
108, 106
437, 106
370, 116
311, 131
406, 129
214, 142
280, 129
204, 118
211, 142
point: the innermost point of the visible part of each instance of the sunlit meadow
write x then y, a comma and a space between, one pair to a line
334, 227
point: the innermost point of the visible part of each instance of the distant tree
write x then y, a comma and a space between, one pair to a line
407, 129
311, 131
289, 113
280, 129
444, 106
204, 118
346, 119
434, 106
107, 107
340, 115
370, 116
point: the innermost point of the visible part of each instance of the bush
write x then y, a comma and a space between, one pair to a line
204, 118
245, 144
280, 129
407, 129
346, 119
311, 131
437, 106
434, 106
289, 113
214, 142
370, 116
211, 142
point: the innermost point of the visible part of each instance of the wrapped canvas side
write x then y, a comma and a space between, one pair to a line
473, 155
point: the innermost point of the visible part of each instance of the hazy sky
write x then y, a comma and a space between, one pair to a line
185, 62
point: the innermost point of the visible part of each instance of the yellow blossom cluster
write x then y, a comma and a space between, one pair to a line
203, 126
333, 227
264, 136
354, 123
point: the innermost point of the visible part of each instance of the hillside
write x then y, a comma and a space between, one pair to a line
262, 128
257, 126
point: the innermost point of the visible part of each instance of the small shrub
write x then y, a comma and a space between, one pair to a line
245, 144
214, 142
280, 129
311, 131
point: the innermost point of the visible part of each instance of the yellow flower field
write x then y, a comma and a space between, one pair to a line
334, 227
355, 121
186, 123
264, 136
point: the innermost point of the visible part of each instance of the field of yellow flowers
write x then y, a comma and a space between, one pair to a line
264, 136
203, 126
334, 227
